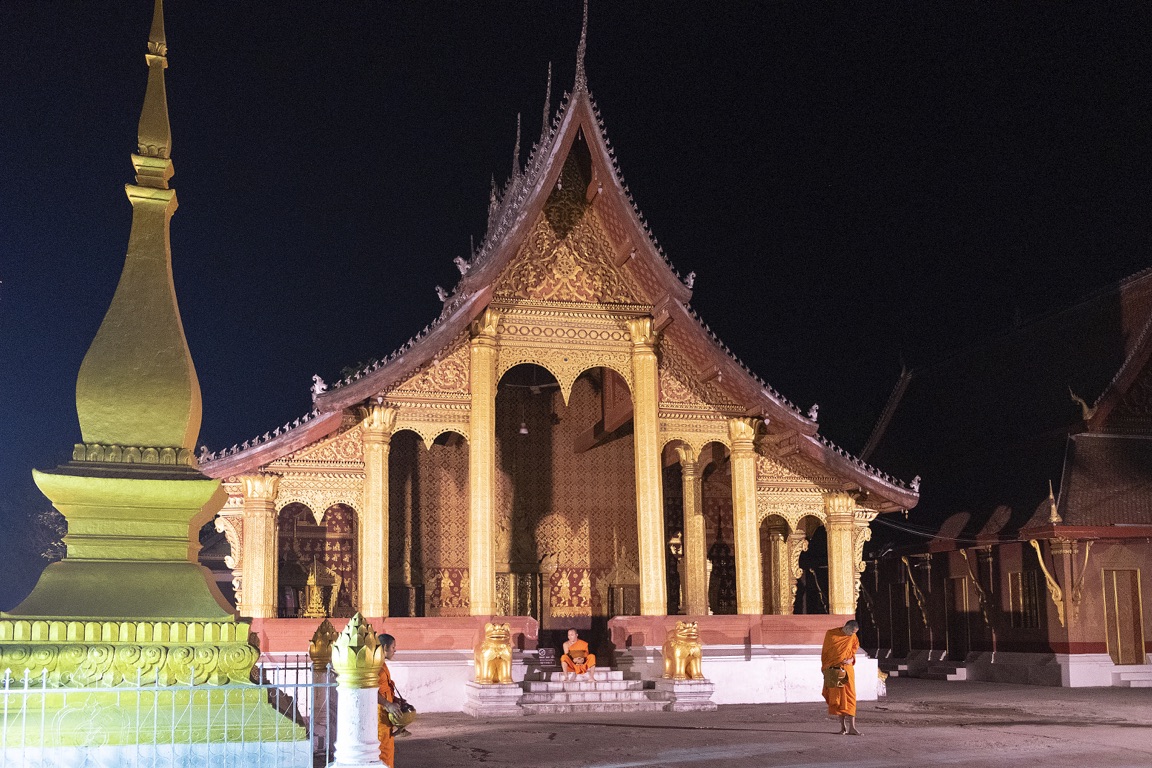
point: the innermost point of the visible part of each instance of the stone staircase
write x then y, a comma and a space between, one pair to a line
1133, 677
607, 692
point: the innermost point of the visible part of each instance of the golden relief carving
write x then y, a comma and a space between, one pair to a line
565, 363
792, 506
680, 385
343, 450
447, 375
792, 472
318, 491
567, 256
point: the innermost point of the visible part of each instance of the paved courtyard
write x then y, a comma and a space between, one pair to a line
920, 723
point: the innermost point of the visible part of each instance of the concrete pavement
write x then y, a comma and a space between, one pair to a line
920, 723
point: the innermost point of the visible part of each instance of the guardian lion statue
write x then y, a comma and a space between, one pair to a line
494, 655
683, 653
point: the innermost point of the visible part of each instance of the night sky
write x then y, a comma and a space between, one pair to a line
853, 185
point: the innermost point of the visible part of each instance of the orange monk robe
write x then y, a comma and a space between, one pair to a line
577, 649
839, 647
383, 724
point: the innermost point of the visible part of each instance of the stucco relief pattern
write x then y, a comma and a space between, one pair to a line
567, 256
447, 375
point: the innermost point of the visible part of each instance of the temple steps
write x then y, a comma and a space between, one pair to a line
944, 670
607, 692
1133, 678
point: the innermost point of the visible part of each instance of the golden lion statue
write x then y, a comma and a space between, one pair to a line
494, 655
683, 653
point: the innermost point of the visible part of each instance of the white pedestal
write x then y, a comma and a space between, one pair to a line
357, 742
688, 695
495, 700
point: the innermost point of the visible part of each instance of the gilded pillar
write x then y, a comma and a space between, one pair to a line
649, 481
781, 581
259, 595
695, 536
839, 510
797, 543
377, 439
745, 535
861, 533
482, 467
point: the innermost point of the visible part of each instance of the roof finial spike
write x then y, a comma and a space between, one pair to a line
516, 150
582, 78
1053, 515
154, 135
547, 107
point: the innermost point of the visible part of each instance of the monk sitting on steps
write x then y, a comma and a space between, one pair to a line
576, 659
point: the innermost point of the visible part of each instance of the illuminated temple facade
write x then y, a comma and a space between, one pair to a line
567, 441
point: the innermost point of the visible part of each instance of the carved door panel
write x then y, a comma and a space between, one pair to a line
1123, 619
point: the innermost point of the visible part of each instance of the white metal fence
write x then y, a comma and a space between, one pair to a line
282, 720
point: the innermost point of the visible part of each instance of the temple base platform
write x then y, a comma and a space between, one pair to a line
749, 659
493, 700
687, 695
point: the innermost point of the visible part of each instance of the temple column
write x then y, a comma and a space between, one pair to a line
840, 512
797, 543
781, 589
861, 533
745, 533
695, 536
649, 480
482, 467
259, 589
377, 439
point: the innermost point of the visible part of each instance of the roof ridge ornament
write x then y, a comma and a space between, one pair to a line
516, 150
581, 84
547, 107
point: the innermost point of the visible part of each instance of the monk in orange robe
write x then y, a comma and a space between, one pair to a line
386, 701
839, 650
576, 659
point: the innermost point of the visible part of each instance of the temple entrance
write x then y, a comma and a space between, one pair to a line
716, 471
673, 477
566, 549
775, 565
316, 562
428, 525
812, 588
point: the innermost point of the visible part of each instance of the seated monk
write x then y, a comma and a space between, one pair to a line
576, 659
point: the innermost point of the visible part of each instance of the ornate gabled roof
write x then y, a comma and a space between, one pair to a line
513, 210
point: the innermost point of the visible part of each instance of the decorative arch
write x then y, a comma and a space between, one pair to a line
566, 363
430, 432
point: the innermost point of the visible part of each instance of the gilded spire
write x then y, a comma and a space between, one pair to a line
547, 106
137, 385
581, 77
154, 135
1053, 516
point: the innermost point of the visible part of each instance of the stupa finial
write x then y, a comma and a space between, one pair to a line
581, 76
547, 106
154, 135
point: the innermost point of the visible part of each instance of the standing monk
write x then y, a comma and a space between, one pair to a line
386, 699
576, 659
839, 651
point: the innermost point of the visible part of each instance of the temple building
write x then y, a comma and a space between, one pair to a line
567, 441
1038, 444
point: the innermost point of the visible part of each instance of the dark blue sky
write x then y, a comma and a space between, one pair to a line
853, 185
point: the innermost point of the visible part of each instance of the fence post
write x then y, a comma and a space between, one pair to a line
357, 659
320, 651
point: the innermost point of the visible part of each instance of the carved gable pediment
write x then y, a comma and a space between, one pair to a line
447, 375
345, 450
568, 254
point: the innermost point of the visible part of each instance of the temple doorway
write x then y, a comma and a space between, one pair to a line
316, 562
716, 488
566, 549
428, 525
812, 587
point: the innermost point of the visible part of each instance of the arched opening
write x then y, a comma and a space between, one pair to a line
775, 565
674, 528
812, 586
716, 489
566, 548
316, 562
428, 525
